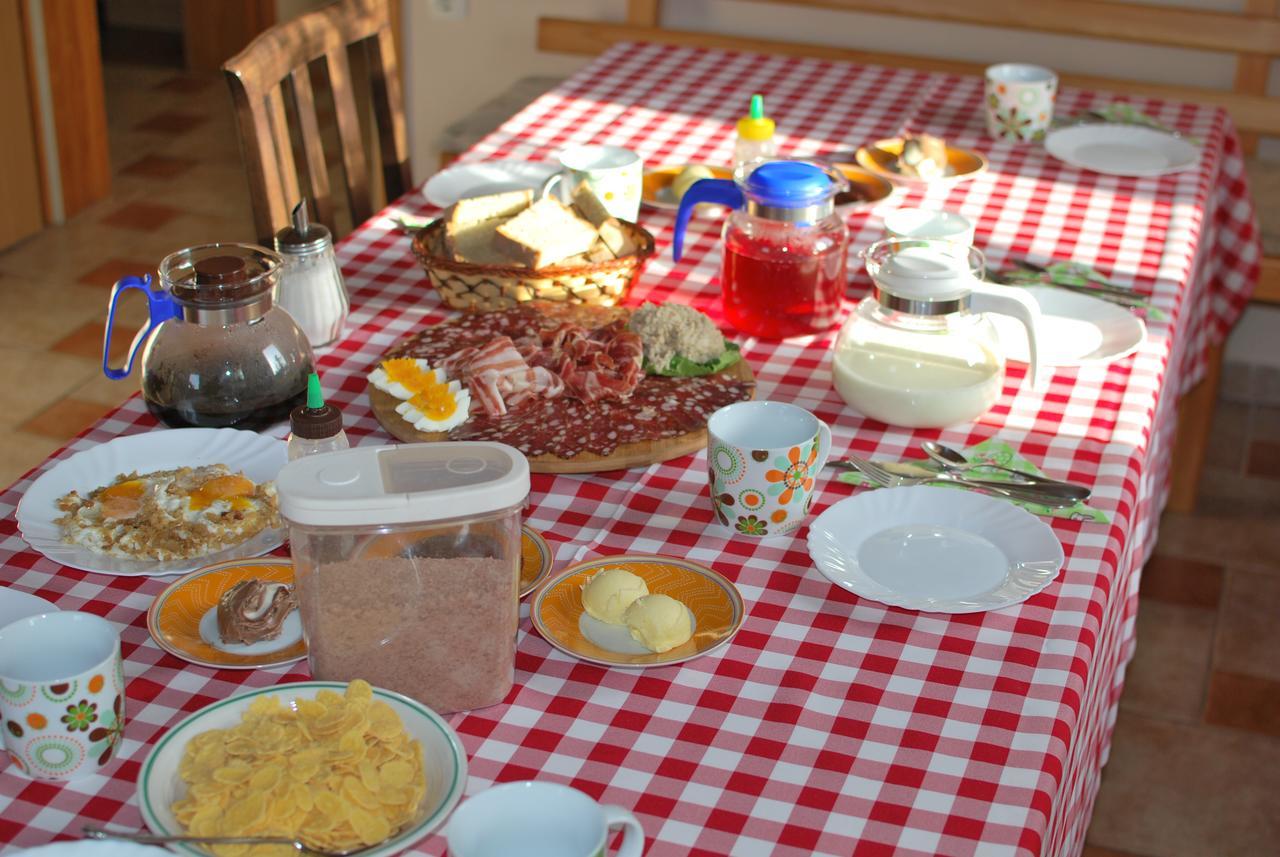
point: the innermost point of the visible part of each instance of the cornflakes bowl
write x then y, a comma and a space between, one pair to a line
444, 763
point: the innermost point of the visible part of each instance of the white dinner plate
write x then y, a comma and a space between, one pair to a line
15, 605
479, 179
1122, 150
259, 456
940, 550
443, 759
1074, 330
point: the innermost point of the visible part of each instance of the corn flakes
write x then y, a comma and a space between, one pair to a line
338, 772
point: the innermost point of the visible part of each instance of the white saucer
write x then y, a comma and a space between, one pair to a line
941, 550
1075, 330
479, 179
15, 605
1122, 150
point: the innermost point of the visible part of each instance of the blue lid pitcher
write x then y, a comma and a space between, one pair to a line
216, 351
784, 246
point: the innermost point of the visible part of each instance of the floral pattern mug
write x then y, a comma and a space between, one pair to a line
61, 694
763, 460
1019, 101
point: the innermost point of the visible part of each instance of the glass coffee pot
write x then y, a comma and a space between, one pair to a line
784, 246
919, 351
216, 351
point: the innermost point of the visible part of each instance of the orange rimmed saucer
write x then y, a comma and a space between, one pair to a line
183, 618
535, 560
881, 158
714, 602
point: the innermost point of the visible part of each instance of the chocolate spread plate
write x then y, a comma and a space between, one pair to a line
664, 418
183, 618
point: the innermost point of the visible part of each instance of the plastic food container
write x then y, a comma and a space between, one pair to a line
407, 562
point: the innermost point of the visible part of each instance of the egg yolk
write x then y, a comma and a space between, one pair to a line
436, 403
221, 488
405, 371
123, 500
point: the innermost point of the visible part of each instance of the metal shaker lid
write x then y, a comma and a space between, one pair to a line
303, 237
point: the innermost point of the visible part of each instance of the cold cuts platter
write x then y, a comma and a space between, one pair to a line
561, 383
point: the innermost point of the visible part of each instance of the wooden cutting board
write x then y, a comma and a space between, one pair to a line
635, 454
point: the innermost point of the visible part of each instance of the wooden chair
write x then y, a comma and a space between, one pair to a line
281, 58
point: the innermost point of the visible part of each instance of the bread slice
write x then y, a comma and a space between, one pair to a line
475, 243
613, 235
477, 209
544, 233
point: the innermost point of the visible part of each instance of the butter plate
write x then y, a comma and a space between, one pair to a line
881, 158
535, 560
183, 618
714, 602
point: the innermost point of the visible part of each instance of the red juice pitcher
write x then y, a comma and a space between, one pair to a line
784, 246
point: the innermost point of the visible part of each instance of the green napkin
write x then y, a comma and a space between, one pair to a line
995, 452
1079, 275
1123, 113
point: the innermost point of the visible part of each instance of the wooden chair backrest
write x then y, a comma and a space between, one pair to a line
1252, 36
280, 58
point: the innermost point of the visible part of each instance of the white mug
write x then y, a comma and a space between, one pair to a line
1019, 101
926, 224
614, 174
539, 819
763, 462
61, 694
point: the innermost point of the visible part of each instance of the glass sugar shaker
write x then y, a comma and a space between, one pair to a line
311, 287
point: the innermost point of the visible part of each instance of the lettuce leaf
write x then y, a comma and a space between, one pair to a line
682, 367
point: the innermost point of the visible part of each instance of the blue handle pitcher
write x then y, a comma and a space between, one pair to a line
216, 351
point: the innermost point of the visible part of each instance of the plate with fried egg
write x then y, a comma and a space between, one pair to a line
159, 503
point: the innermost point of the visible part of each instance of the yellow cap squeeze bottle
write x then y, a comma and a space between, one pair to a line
755, 135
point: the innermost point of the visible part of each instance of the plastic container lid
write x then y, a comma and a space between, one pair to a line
922, 273
418, 483
789, 184
755, 125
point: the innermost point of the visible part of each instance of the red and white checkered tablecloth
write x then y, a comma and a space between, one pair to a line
831, 724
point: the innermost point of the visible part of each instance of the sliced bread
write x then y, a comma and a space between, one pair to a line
475, 243
613, 236
477, 209
544, 233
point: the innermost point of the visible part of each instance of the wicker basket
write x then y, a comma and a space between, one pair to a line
485, 288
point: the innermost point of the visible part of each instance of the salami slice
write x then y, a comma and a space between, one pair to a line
658, 408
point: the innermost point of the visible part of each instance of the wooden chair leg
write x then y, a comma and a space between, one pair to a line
1195, 417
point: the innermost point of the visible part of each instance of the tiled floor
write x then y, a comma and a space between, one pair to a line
1195, 766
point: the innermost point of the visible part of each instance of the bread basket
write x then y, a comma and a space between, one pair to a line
485, 288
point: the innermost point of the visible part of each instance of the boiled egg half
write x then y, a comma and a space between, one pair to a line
430, 402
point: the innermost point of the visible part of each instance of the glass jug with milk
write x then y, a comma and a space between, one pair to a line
918, 351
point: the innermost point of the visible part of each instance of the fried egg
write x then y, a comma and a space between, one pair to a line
169, 514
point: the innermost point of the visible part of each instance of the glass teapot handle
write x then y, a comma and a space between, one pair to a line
160, 307
1014, 302
718, 191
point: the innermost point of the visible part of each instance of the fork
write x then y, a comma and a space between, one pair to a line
1044, 495
297, 845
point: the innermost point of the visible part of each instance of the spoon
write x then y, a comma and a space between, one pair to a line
954, 460
297, 845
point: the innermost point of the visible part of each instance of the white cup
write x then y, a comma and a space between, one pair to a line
537, 819
61, 694
1019, 101
926, 224
614, 174
763, 464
